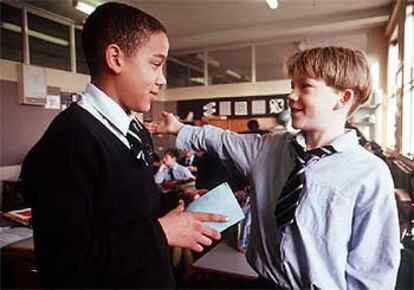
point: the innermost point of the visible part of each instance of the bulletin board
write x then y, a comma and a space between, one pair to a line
234, 107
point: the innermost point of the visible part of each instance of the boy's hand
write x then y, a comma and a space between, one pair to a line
150, 126
186, 230
168, 124
162, 166
190, 194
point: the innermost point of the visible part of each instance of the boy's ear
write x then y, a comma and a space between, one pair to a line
346, 99
114, 58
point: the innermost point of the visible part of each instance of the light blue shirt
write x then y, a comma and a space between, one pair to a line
346, 234
107, 111
180, 173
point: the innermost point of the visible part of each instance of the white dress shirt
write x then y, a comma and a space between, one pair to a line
107, 111
346, 234
180, 173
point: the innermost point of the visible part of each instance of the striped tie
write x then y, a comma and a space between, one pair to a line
289, 198
136, 139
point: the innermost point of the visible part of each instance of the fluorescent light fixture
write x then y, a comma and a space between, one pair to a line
182, 63
197, 80
272, 4
35, 34
210, 60
84, 7
233, 74
213, 62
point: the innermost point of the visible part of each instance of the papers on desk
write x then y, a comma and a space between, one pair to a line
219, 200
10, 235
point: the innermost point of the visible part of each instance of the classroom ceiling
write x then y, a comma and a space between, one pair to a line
204, 23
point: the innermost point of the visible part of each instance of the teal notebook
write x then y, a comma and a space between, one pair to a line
220, 200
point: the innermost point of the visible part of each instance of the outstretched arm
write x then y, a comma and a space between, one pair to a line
243, 150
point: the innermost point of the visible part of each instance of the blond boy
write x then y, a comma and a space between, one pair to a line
323, 210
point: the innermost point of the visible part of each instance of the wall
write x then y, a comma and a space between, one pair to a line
23, 125
66, 81
278, 87
163, 142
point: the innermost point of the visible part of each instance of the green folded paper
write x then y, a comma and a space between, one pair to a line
219, 200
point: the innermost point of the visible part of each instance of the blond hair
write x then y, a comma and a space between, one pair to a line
340, 68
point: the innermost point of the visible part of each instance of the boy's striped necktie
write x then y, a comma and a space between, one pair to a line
136, 141
291, 192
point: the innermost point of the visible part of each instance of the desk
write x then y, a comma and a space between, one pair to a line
226, 260
18, 266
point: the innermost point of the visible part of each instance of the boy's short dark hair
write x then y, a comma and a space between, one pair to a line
174, 153
253, 125
116, 23
340, 68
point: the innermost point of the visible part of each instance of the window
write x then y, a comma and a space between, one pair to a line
393, 64
48, 43
270, 60
408, 83
185, 70
11, 33
229, 66
81, 65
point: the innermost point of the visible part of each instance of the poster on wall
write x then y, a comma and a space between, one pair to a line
240, 108
53, 102
33, 89
258, 107
276, 105
225, 108
209, 109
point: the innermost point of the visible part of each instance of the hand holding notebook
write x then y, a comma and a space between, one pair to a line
219, 200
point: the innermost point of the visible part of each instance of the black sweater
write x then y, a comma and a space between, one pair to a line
95, 209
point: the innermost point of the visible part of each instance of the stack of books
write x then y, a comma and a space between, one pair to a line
22, 216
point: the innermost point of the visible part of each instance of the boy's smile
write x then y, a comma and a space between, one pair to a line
315, 110
312, 104
142, 75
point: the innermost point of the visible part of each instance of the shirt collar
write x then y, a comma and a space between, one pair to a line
108, 108
346, 142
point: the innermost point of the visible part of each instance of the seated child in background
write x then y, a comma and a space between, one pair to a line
189, 160
323, 209
170, 170
254, 128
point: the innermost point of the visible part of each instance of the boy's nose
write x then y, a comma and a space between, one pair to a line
292, 96
161, 80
